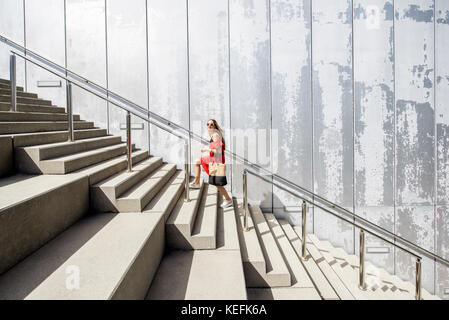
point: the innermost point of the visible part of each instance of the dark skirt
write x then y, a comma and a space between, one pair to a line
218, 180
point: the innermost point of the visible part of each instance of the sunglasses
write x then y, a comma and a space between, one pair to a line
210, 124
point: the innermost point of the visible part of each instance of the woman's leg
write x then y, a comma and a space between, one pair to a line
197, 171
223, 191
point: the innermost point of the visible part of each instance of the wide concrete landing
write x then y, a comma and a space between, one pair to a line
199, 274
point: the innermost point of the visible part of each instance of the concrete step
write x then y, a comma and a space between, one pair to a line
165, 200
227, 232
287, 293
374, 279
23, 100
299, 276
40, 126
180, 223
335, 281
69, 163
6, 156
321, 283
28, 159
34, 116
104, 256
193, 224
136, 198
6, 106
7, 92
105, 193
104, 169
425, 295
8, 87
277, 274
38, 138
199, 275
204, 234
34, 209
374, 287
252, 257
347, 275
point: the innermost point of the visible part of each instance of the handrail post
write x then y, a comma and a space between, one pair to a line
71, 134
245, 200
304, 224
362, 284
418, 279
187, 172
13, 82
128, 141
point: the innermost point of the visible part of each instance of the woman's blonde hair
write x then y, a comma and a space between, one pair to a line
216, 125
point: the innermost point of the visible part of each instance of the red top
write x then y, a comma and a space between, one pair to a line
219, 147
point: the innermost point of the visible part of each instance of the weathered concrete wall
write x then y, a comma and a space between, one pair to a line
348, 98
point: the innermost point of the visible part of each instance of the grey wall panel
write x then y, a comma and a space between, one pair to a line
291, 92
442, 98
250, 90
416, 223
45, 34
442, 230
442, 281
209, 69
11, 26
127, 62
374, 121
414, 102
167, 53
377, 251
89, 63
333, 112
374, 102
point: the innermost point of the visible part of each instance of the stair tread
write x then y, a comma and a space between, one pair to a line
283, 293
185, 212
348, 275
79, 155
166, 198
121, 177
319, 279
139, 190
337, 284
99, 167
69, 143
227, 232
249, 243
206, 218
199, 274
273, 258
102, 246
47, 132
30, 186
292, 260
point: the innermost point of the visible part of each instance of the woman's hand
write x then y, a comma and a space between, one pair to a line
204, 150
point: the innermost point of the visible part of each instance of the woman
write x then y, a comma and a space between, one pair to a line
216, 154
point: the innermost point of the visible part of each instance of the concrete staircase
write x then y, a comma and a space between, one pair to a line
74, 224
271, 252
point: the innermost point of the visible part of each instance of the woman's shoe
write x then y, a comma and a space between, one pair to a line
226, 204
194, 185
